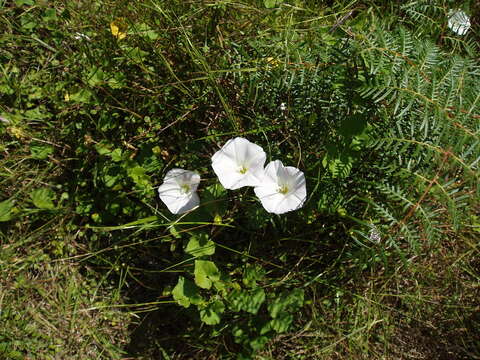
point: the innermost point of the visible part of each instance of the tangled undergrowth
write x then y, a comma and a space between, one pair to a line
376, 103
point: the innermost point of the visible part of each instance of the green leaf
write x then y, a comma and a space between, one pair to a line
111, 175
139, 176
339, 166
24, 2
282, 323
353, 125
186, 293
211, 314
116, 155
43, 198
40, 151
214, 200
269, 4
252, 274
103, 148
200, 245
206, 272
286, 302
82, 96
249, 301
6, 210
50, 15
258, 342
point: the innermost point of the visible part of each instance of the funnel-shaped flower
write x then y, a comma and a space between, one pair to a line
283, 188
178, 190
239, 163
458, 22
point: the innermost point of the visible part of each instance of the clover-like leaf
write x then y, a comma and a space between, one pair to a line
186, 293
206, 273
210, 315
200, 245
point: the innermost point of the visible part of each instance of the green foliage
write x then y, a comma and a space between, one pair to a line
6, 208
200, 245
206, 273
186, 293
377, 102
43, 198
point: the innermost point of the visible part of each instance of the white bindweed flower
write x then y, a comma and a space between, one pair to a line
178, 190
239, 163
283, 188
458, 22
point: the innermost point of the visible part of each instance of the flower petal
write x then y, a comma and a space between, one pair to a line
173, 194
182, 177
237, 154
278, 176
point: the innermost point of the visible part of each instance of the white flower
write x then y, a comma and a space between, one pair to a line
178, 190
239, 163
283, 107
283, 188
458, 22
374, 234
80, 36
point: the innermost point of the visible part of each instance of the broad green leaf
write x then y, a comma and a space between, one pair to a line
6, 210
103, 148
82, 96
24, 2
249, 301
211, 314
200, 245
269, 4
139, 176
252, 274
116, 155
282, 323
186, 293
43, 198
206, 272
259, 342
41, 151
111, 175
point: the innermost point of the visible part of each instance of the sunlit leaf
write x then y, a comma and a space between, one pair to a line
43, 198
206, 272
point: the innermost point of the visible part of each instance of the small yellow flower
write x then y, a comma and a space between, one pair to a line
16, 132
273, 61
119, 28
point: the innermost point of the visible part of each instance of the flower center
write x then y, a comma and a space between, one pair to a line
185, 188
242, 170
283, 189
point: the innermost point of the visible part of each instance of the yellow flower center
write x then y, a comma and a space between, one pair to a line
185, 188
242, 170
283, 189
